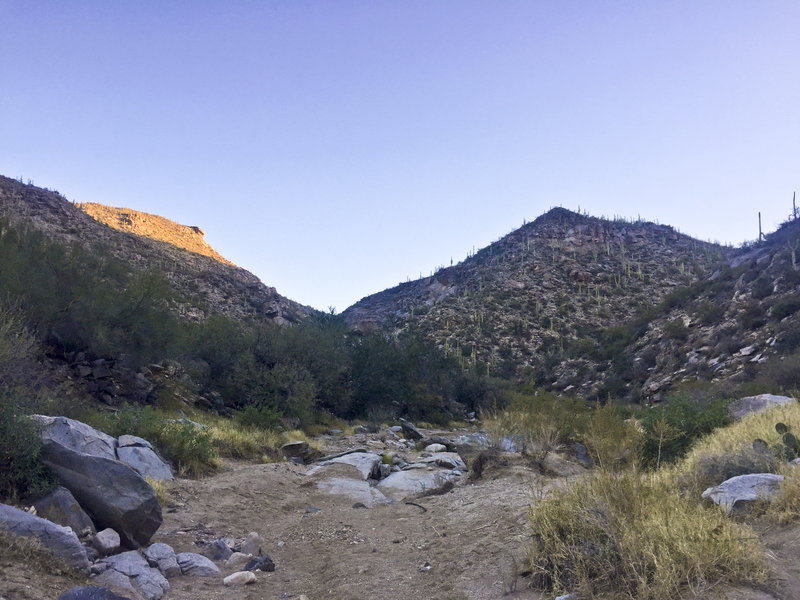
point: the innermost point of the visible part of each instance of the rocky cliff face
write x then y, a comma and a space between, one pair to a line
208, 283
189, 238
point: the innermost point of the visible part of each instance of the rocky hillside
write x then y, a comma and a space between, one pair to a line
189, 238
535, 304
207, 283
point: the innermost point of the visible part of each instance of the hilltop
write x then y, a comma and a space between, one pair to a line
534, 305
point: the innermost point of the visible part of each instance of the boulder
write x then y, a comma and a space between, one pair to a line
300, 451
356, 490
60, 541
62, 508
114, 494
736, 491
447, 460
240, 578
409, 431
196, 565
435, 448
90, 592
367, 463
415, 481
754, 404
130, 570
138, 454
162, 557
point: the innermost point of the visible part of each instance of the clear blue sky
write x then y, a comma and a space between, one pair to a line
335, 148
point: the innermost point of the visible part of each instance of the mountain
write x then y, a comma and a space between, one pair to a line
539, 303
207, 283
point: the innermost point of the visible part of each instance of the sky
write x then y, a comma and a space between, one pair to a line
338, 148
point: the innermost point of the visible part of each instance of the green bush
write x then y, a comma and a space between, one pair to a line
671, 429
23, 475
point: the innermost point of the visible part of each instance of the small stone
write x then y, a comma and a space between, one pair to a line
106, 542
236, 559
260, 563
252, 544
240, 578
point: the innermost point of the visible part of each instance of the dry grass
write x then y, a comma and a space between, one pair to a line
633, 536
162, 489
35, 556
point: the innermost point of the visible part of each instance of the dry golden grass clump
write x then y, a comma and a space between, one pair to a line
648, 535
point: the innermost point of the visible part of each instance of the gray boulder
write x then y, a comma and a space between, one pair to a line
62, 508
114, 494
162, 557
196, 565
90, 592
138, 454
367, 463
409, 431
356, 490
142, 578
446, 460
435, 448
60, 541
754, 404
736, 491
300, 451
414, 481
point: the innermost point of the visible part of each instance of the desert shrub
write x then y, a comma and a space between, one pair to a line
669, 430
788, 338
263, 417
710, 313
23, 475
762, 287
613, 440
187, 445
751, 316
676, 330
781, 374
634, 536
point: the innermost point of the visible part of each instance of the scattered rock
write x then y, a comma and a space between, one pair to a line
240, 578
411, 432
59, 540
162, 557
406, 483
447, 460
260, 563
114, 494
299, 450
754, 404
731, 494
354, 489
367, 463
90, 592
131, 565
218, 550
435, 448
196, 565
252, 544
236, 559
62, 508
106, 542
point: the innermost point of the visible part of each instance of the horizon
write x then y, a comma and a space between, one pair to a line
337, 150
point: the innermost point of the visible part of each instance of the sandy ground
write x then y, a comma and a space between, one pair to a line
467, 544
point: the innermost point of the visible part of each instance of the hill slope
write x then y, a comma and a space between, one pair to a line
209, 283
